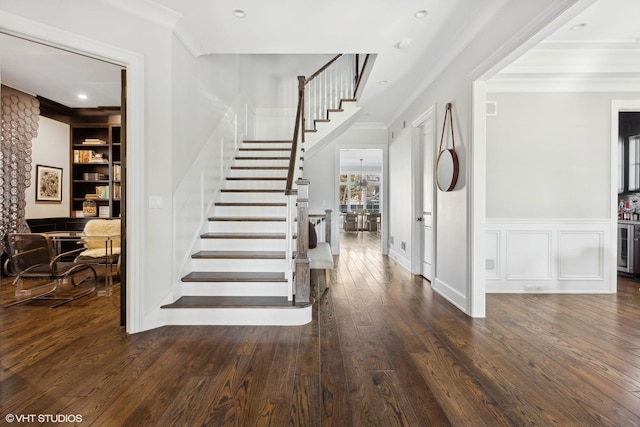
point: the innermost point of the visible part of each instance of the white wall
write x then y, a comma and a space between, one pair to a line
213, 115
50, 148
549, 192
511, 27
400, 209
549, 155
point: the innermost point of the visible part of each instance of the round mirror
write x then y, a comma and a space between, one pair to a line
447, 170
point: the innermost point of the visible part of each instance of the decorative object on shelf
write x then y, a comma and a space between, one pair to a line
48, 184
447, 167
89, 208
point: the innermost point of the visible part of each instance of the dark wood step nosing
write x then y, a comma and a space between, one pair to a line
233, 276
239, 255
261, 158
251, 204
247, 218
256, 178
252, 190
279, 168
262, 149
226, 302
267, 141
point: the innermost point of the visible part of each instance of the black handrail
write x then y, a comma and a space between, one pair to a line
300, 119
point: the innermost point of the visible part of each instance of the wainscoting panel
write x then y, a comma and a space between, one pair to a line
581, 255
553, 256
528, 254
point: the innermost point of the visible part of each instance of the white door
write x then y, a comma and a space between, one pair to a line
427, 141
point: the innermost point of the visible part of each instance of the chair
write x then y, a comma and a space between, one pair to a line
101, 239
373, 222
350, 222
40, 274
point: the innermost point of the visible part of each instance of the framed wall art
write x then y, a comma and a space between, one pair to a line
49, 184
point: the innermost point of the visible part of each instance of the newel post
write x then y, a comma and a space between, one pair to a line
303, 278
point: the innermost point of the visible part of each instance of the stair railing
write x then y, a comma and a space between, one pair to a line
318, 94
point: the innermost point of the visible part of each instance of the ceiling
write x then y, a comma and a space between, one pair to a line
607, 48
597, 50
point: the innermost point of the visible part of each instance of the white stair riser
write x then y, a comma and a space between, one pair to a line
262, 289
255, 184
277, 197
217, 265
253, 162
286, 145
279, 153
253, 211
238, 316
247, 227
243, 244
258, 173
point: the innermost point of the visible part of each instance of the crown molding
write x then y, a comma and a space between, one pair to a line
149, 11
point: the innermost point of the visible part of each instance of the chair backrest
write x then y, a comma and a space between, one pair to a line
26, 250
100, 228
351, 217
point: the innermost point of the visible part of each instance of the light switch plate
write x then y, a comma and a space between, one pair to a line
155, 202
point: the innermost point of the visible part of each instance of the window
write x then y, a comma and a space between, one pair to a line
634, 163
356, 194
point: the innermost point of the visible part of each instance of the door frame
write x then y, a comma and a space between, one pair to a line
135, 208
417, 126
617, 106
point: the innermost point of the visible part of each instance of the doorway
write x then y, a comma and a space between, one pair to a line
423, 228
360, 191
64, 108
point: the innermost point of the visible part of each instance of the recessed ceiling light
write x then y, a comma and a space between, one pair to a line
239, 13
404, 43
578, 27
383, 82
420, 14
82, 96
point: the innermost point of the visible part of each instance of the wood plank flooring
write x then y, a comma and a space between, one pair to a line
382, 350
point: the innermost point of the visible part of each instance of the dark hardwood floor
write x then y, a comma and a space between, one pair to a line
382, 350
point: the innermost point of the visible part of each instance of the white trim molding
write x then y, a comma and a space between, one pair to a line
549, 256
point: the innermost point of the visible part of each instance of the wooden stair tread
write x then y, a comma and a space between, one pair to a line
268, 141
233, 276
248, 204
252, 190
239, 255
256, 178
248, 218
243, 236
264, 149
261, 158
279, 168
235, 302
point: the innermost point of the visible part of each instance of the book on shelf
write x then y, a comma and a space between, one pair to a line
117, 191
117, 170
88, 156
103, 211
94, 141
102, 191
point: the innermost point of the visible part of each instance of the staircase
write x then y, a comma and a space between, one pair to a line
240, 272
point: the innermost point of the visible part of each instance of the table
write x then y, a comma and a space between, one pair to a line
59, 237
